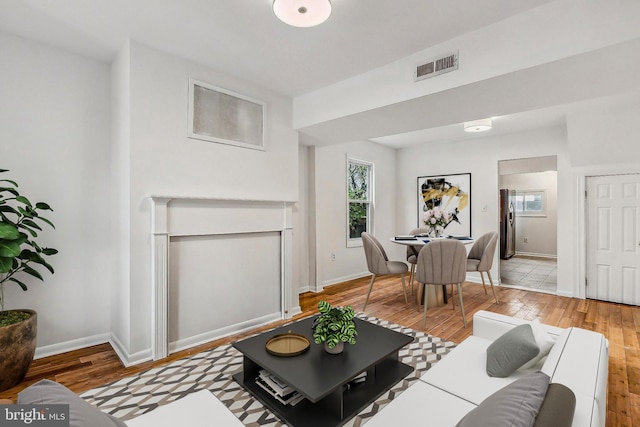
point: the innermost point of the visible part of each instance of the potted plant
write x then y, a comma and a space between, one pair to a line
334, 327
20, 222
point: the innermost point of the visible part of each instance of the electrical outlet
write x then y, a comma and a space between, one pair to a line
333, 256
526, 240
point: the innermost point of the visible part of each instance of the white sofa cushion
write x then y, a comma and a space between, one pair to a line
200, 409
463, 372
422, 404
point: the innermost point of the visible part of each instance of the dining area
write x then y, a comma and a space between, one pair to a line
437, 267
439, 253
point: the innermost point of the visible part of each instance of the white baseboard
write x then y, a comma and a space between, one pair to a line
566, 294
295, 310
145, 355
63, 347
533, 254
126, 358
222, 332
337, 280
303, 289
478, 281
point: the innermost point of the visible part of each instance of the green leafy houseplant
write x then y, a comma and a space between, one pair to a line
20, 221
334, 325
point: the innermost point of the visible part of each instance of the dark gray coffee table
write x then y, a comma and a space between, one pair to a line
322, 377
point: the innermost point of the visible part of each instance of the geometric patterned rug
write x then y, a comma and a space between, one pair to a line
213, 370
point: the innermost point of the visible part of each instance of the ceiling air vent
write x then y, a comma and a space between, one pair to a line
437, 66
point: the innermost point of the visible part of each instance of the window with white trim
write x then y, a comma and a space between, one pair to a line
359, 200
530, 203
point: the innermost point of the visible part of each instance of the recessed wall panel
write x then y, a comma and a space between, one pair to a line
629, 231
630, 285
603, 273
604, 229
603, 191
630, 190
218, 281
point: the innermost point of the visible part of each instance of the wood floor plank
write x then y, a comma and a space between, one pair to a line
634, 399
84, 369
618, 394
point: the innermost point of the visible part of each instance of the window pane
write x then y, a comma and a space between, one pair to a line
530, 203
358, 214
358, 182
533, 203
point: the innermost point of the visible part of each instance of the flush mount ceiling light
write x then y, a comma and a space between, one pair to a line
302, 13
478, 125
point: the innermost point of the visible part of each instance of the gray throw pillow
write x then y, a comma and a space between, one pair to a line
511, 350
81, 413
516, 405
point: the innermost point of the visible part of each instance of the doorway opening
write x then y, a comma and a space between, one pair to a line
529, 223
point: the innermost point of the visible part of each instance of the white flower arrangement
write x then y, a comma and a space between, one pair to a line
436, 221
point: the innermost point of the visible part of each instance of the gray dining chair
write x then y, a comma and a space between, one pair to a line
480, 258
412, 256
378, 263
442, 262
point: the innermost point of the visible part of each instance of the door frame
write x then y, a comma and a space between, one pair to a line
580, 179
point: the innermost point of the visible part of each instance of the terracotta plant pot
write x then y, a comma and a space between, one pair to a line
17, 348
335, 350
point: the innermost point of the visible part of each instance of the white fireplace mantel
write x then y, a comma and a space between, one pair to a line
173, 216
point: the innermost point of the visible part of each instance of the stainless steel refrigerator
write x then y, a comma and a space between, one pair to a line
507, 223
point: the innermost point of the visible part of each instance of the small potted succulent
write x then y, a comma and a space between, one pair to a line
334, 327
20, 222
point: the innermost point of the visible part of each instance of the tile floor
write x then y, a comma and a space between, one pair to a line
530, 273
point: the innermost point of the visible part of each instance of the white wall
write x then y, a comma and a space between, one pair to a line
163, 161
480, 157
330, 192
54, 133
540, 232
603, 133
120, 204
301, 259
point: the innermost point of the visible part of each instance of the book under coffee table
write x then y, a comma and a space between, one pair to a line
323, 378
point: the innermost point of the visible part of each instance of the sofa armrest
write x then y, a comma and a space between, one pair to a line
490, 325
582, 365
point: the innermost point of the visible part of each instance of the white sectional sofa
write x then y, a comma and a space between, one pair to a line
459, 382
455, 386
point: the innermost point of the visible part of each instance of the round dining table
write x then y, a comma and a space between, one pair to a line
436, 295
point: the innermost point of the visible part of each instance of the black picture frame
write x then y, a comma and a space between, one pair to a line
450, 192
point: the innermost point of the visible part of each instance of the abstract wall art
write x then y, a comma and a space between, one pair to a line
444, 204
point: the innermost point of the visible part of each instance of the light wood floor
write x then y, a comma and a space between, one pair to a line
84, 369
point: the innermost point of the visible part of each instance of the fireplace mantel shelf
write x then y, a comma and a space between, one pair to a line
216, 199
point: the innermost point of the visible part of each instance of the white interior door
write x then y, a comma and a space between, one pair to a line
613, 238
